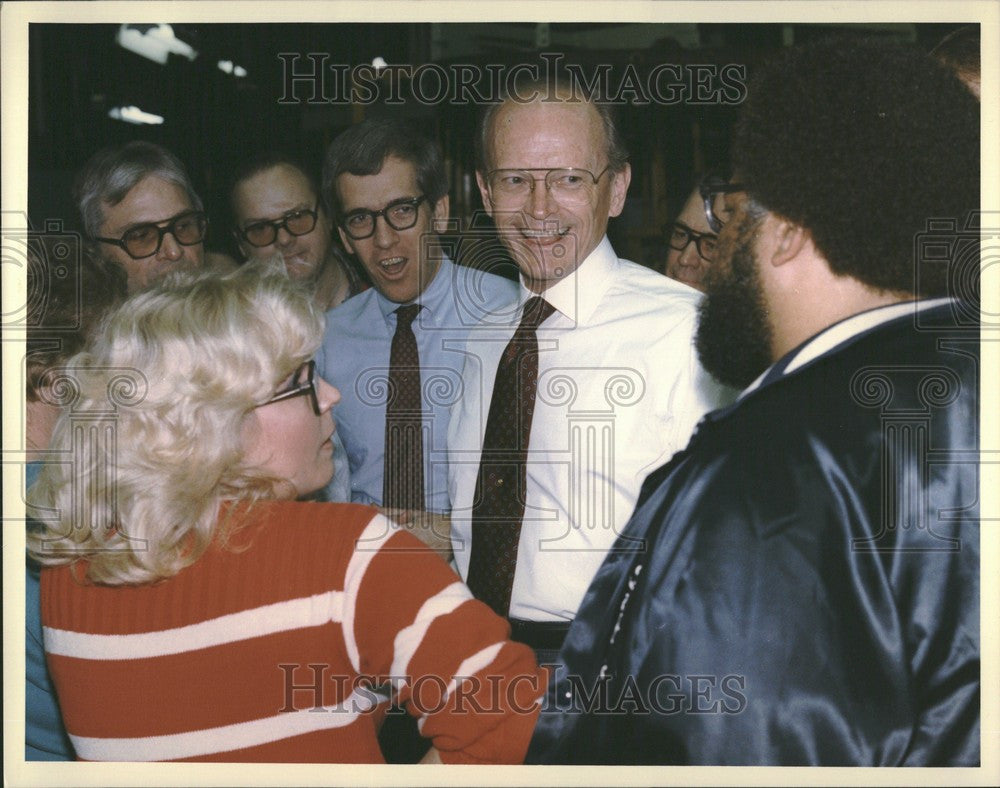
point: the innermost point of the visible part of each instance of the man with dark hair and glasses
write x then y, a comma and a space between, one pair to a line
386, 183
140, 211
800, 585
396, 351
278, 210
691, 244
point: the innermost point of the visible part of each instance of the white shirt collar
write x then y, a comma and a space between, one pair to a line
578, 294
835, 335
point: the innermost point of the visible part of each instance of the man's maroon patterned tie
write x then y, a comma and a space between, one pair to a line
403, 474
498, 506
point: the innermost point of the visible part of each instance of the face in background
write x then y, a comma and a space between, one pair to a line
289, 442
152, 200
271, 195
687, 265
734, 335
549, 240
393, 258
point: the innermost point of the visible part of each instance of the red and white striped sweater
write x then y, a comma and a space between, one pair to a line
258, 651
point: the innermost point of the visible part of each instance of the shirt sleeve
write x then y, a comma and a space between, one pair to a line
693, 393
475, 693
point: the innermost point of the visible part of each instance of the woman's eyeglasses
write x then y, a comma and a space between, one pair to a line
303, 382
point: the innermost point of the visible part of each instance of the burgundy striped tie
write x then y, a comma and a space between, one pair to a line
498, 506
403, 474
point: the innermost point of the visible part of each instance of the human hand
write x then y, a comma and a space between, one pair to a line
431, 528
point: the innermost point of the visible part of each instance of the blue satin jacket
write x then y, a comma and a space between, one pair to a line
801, 584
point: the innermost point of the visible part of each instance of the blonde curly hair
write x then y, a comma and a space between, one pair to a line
153, 421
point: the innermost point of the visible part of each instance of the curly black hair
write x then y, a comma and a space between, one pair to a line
862, 141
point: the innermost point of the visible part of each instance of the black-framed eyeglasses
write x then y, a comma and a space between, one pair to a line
265, 232
713, 193
567, 185
399, 215
145, 240
303, 382
681, 235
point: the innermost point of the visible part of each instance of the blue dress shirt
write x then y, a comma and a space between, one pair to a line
355, 358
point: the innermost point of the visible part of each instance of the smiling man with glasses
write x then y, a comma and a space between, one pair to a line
590, 383
278, 211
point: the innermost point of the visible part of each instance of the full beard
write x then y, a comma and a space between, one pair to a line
734, 334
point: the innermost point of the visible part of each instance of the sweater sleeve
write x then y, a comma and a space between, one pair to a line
410, 621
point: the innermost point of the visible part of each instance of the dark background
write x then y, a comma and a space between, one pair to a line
213, 120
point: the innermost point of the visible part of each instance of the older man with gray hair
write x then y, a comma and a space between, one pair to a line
140, 211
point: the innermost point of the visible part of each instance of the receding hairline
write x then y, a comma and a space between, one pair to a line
243, 182
562, 100
106, 204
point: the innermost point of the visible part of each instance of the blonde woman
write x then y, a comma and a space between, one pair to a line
192, 608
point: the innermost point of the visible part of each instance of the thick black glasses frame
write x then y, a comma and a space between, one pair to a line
198, 216
384, 213
277, 224
299, 389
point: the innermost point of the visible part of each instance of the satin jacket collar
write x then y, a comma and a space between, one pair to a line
832, 337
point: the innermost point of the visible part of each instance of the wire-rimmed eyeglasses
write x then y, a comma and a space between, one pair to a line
713, 192
567, 185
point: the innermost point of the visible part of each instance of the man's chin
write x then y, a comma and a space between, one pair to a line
301, 271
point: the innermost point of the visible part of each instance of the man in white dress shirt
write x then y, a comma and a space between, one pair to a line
619, 385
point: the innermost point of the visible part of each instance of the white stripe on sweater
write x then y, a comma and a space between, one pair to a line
409, 638
467, 669
193, 744
473, 665
292, 614
369, 543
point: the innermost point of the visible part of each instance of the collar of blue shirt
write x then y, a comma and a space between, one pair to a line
430, 299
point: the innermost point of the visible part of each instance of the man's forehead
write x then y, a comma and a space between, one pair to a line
556, 125
693, 213
279, 178
279, 188
151, 201
396, 180
563, 108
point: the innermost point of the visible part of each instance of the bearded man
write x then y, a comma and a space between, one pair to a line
800, 585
